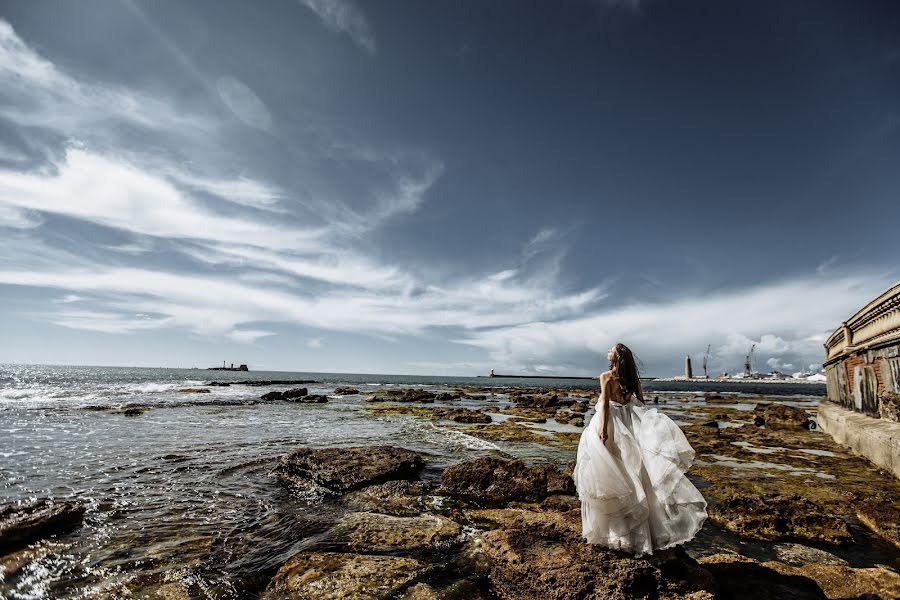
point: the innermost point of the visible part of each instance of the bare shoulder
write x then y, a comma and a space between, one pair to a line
605, 375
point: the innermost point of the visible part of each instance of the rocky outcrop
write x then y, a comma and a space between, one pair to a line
742, 578
568, 417
375, 532
339, 576
549, 400
543, 562
23, 524
778, 517
409, 395
285, 395
490, 480
341, 470
191, 390
464, 415
781, 416
345, 391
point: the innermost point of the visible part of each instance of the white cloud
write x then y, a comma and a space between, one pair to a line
780, 317
110, 191
249, 336
314, 342
244, 103
345, 17
17, 218
33, 92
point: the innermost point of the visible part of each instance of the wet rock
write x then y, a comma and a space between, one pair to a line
561, 503
541, 562
579, 407
285, 395
408, 395
781, 416
714, 424
310, 399
841, 581
463, 415
375, 532
399, 497
340, 470
566, 522
760, 517
194, 390
798, 555
566, 416
22, 524
740, 578
134, 411
881, 515
447, 396
421, 591
492, 480
345, 391
339, 576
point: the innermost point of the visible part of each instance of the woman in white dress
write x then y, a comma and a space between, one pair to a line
630, 469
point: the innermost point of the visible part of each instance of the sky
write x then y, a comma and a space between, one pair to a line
444, 187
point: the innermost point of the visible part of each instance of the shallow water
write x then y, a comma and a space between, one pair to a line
185, 488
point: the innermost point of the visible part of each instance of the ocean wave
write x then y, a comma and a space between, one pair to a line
464, 440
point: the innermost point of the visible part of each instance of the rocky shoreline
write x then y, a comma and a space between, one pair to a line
790, 505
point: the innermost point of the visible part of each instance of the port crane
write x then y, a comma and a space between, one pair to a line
706, 360
748, 363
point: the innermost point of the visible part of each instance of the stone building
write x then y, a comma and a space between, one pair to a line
862, 358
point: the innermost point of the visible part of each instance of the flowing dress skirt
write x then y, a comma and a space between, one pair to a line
634, 493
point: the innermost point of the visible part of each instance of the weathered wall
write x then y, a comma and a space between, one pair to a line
863, 358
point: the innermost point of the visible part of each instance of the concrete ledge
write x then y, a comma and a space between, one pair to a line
876, 439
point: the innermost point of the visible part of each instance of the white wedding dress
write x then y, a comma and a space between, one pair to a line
634, 493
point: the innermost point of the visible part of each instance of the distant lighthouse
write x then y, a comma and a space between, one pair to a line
688, 372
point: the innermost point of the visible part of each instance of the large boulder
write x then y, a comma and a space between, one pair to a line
781, 416
778, 517
22, 524
490, 480
339, 576
375, 532
543, 562
345, 391
341, 470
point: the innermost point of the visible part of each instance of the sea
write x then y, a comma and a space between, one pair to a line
184, 489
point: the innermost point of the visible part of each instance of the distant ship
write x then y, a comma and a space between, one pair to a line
231, 368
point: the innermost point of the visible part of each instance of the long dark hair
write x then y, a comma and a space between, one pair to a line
624, 368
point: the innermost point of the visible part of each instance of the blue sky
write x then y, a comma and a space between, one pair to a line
443, 187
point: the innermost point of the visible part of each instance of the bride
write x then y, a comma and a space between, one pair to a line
630, 469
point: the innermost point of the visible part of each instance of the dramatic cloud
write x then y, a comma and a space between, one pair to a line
783, 318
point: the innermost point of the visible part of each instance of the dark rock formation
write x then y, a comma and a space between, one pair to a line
340, 470
463, 415
194, 391
285, 395
782, 416
491, 480
134, 411
21, 525
779, 517
345, 391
